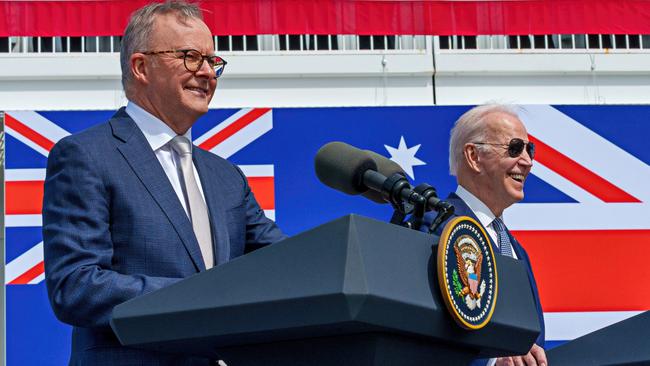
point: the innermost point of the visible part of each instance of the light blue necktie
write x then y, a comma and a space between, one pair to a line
198, 211
505, 247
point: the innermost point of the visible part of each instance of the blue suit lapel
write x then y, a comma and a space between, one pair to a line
523, 256
461, 209
210, 182
142, 160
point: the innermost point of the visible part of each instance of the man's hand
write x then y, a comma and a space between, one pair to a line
535, 357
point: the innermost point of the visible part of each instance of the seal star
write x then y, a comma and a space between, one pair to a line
405, 156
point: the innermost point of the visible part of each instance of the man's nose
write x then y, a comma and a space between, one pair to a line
205, 70
525, 159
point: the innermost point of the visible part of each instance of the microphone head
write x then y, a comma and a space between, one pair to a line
385, 167
341, 166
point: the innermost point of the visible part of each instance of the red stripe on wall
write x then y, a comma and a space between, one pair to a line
24, 197
599, 270
240, 17
32, 273
234, 127
264, 190
578, 174
24, 130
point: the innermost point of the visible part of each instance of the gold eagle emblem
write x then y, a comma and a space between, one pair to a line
469, 260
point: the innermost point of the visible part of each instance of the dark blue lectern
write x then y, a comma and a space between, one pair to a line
624, 343
354, 291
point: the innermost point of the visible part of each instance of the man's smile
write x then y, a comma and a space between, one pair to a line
517, 176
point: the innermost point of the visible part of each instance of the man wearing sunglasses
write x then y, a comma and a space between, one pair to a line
131, 206
491, 157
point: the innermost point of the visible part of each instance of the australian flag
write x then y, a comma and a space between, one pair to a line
584, 221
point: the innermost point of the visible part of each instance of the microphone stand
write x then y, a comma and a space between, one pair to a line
445, 210
396, 190
391, 191
427, 192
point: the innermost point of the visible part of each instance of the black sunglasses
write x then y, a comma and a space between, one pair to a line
515, 147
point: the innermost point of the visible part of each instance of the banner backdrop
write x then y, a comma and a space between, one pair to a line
364, 17
584, 220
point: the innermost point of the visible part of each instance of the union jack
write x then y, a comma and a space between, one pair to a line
589, 256
24, 187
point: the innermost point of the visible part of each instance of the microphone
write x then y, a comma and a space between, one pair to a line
388, 168
353, 171
342, 167
385, 167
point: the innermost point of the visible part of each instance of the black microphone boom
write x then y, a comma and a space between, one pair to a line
354, 171
385, 167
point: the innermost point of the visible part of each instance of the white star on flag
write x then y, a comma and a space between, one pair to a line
405, 156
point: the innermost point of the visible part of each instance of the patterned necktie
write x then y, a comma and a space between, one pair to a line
505, 247
198, 212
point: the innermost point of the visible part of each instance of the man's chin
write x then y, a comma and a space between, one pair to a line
199, 109
517, 197
516, 194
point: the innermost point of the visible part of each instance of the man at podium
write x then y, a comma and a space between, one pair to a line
131, 206
491, 156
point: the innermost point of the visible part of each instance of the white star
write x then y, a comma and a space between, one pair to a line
405, 156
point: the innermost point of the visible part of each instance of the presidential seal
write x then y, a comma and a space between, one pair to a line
467, 272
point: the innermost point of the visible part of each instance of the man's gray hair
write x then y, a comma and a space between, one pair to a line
471, 127
138, 32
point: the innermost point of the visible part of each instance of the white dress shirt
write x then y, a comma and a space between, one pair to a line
158, 135
482, 212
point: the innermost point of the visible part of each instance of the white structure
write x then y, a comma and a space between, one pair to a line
416, 71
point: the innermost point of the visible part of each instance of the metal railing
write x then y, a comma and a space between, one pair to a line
354, 43
549, 42
59, 44
254, 43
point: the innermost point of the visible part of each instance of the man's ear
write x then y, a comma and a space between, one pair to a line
139, 67
470, 152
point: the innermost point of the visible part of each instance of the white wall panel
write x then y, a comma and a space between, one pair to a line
348, 78
542, 78
91, 81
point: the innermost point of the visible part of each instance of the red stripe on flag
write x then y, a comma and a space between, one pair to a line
24, 197
233, 128
264, 190
32, 135
578, 174
32, 273
590, 270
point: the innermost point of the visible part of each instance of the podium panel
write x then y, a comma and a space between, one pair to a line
356, 287
622, 343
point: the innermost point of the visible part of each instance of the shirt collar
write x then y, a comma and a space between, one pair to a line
482, 212
157, 133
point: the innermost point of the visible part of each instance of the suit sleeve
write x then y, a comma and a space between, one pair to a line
260, 230
82, 287
541, 338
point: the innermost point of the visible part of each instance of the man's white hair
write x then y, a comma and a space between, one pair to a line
470, 127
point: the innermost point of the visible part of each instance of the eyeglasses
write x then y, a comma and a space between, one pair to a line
515, 147
193, 60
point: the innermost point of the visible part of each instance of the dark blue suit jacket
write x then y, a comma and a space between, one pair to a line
114, 229
461, 209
